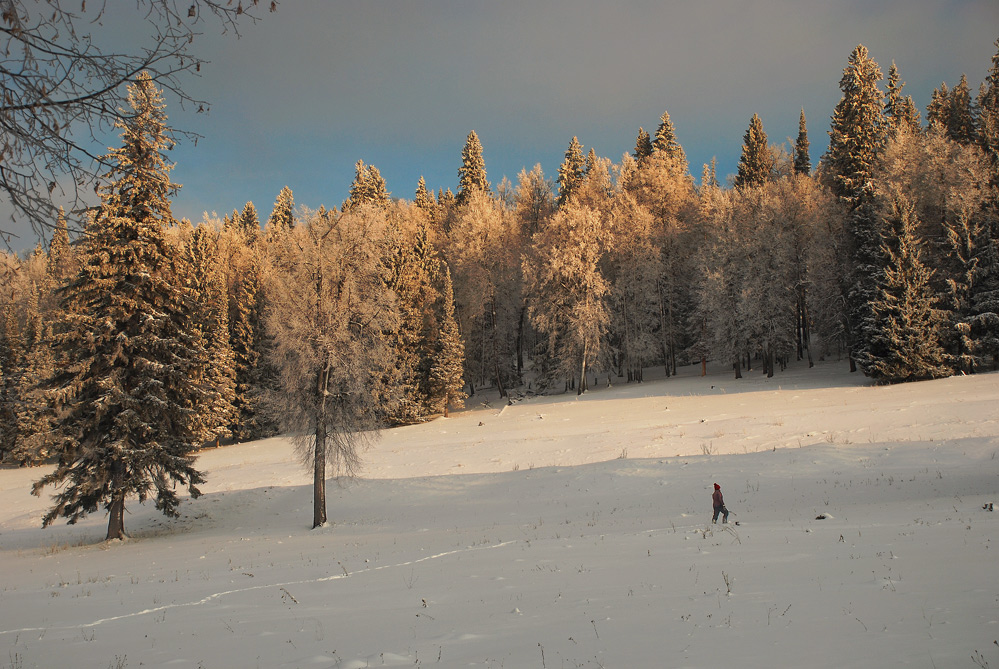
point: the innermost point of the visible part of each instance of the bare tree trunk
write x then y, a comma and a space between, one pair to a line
582, 373
319, 478
520, 342
116, 511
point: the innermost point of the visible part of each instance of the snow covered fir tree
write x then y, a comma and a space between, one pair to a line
128, 385
883, 252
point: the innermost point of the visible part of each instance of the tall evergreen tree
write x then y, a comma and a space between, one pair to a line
802, 162
368, 187
207, 280
666, 142
906, 324
282, 216
249, 222
961, 119
472, 173
424, 199
988, 116
62, 257
131, 367
900, 112
857, 133
643, 145
939, 108
11, 448
571, 172
856, 139
756, 165
447, 381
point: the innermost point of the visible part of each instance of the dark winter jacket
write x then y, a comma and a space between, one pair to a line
717, 500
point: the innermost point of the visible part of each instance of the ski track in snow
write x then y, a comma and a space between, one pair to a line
219, 595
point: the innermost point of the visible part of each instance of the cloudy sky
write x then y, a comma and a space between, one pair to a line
303, 94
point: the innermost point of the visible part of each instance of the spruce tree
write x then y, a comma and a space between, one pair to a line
906, 335
62, 257
447, 382
368, 187
856, 139
11, 448
424, 199
472, 173
282, 216
900, 112
961, 119
643, 145
249, 222
571, 172
757, 163
410, 267
856, 136
939, 109
207, 280
802, 162
36, 439
666, 142
988, 116
129, 381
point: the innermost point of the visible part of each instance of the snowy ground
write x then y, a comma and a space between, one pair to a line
556, 532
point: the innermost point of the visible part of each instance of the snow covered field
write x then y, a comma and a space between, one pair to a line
556, 532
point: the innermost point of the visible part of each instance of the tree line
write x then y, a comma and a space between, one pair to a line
124, 351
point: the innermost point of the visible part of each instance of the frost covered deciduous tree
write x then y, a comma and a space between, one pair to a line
482, 252
130, 373
633, 266
328, 310
567, 290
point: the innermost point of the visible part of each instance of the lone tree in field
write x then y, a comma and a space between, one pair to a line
128, 385
328, 312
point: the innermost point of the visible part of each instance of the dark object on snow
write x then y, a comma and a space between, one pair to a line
821, 516
718, 502
988, 506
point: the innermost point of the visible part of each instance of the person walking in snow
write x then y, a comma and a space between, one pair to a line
719, 504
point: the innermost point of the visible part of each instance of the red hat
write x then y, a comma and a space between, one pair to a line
717, 487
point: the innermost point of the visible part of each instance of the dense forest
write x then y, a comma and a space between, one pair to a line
144, 338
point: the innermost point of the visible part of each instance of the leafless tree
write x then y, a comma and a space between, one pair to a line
328, 311
64, 86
